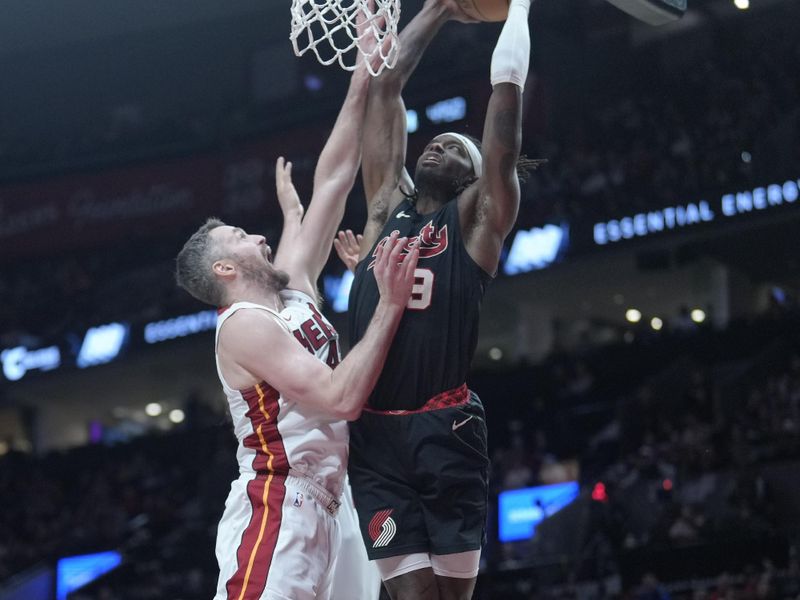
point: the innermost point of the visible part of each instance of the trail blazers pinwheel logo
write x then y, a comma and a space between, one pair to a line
382, 528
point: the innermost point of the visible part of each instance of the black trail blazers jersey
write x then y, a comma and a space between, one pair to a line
438, 333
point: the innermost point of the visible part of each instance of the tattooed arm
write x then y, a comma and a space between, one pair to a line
383, 166
488, 209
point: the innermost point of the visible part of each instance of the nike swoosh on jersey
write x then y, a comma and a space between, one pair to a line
462, 423
402, 215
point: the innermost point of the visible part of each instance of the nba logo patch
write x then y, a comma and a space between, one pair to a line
298, 499
382, 528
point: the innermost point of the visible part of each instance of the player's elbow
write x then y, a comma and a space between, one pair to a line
346, 406
348, 410
351, 415
345, 414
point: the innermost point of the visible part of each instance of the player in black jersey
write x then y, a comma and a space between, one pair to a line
418, 456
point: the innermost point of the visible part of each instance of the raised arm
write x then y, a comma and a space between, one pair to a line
489, 209
256, 348
292, 210
383, 168
333, 179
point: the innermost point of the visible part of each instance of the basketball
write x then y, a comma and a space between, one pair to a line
485, 10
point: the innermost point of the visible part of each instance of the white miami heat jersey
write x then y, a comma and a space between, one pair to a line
276, 433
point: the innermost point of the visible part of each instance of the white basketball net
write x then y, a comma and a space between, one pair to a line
328, 28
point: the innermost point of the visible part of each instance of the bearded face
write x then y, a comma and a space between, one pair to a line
444, 165
252, 257
263, 275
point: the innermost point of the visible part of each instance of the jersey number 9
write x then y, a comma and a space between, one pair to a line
422, 291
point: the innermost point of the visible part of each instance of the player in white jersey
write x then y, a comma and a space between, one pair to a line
279, 534
355, 576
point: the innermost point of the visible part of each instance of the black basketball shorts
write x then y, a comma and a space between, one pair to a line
420, 478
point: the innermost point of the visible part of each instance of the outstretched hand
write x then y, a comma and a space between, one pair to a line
348, 247
372, 57
394, 271
288, 198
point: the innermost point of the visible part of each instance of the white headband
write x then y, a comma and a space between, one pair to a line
472, 150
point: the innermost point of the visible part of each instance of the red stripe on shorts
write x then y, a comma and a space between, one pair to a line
263, 411
265, 492
447, 399
255, 552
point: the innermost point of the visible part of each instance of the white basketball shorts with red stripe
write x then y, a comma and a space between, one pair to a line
277, 540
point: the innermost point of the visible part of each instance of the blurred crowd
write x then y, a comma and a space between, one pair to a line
690, 472
156, 499
693, 128
732, 120
697, 462
693, 434
671, 126
43, 299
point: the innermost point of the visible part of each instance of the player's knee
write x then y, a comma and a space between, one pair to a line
416, 585
451, 588
456, 574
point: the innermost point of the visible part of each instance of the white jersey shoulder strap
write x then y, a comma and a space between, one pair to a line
227, 313
292, 296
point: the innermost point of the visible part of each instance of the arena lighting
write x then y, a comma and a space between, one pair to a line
698, 315
599, 492
742, 4
95, 432
633, 315
75, 572
746, 157
536, 248
656, 323
19, 360
169, 329
412, 121
313, 82
520, 511
444, 111
447, 111
102, 344
667, 485
778, 294
176, 415
153, 409
337, 290
495, 353
686, 215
